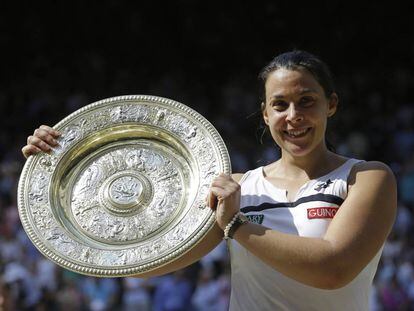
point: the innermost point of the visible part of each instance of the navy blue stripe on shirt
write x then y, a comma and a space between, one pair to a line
320, 197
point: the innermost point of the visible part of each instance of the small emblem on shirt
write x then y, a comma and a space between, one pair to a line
322, 212
257, 219
323, 185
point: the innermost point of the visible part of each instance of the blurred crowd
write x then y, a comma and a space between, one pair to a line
375, 121
28, 281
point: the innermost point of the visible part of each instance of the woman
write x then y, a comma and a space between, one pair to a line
305, 232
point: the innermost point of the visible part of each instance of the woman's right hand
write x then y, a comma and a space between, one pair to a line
42, 140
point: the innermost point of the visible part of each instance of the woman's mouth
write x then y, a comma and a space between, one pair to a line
297, 133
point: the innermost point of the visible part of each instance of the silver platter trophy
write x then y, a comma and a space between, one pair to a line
125, 191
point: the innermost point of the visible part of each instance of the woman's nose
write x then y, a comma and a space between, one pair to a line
293, 114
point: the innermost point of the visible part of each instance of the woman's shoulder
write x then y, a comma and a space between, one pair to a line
240, 177
374, 166
371, 171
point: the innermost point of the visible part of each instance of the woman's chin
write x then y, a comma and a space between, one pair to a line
298, 151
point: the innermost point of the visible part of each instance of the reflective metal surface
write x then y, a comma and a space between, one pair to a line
125, 191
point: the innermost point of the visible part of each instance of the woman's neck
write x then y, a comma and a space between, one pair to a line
317, 163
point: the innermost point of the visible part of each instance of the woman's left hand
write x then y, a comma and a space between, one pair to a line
224, 197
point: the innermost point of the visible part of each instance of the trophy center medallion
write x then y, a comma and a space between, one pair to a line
125, 191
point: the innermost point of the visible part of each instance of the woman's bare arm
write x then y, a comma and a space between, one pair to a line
354, 236
206, 245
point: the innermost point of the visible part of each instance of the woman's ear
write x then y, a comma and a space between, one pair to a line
264, 113
333, 104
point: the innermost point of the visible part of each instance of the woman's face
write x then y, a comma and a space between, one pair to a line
296, 110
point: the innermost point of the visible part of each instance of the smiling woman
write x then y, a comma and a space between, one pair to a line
296, 110
323, 218
305, 232
318, 85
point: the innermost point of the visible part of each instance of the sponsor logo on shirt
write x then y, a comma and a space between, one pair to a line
322, 212
323, 185
257, 219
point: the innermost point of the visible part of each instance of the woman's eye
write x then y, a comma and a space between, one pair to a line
279, 105
306, 101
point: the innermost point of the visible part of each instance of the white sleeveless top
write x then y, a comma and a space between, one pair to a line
257, 286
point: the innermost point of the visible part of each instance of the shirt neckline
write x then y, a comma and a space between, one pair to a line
318, 179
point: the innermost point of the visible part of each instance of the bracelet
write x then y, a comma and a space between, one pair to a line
237, 220
229, 225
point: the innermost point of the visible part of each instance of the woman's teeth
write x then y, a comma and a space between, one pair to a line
297, 133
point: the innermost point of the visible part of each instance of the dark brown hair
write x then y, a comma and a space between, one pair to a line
295, 60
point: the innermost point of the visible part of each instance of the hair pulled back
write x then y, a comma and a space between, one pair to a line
295, 60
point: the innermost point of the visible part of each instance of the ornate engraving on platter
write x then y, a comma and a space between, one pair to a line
70, 134
124, 192
38, 188
102, 199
